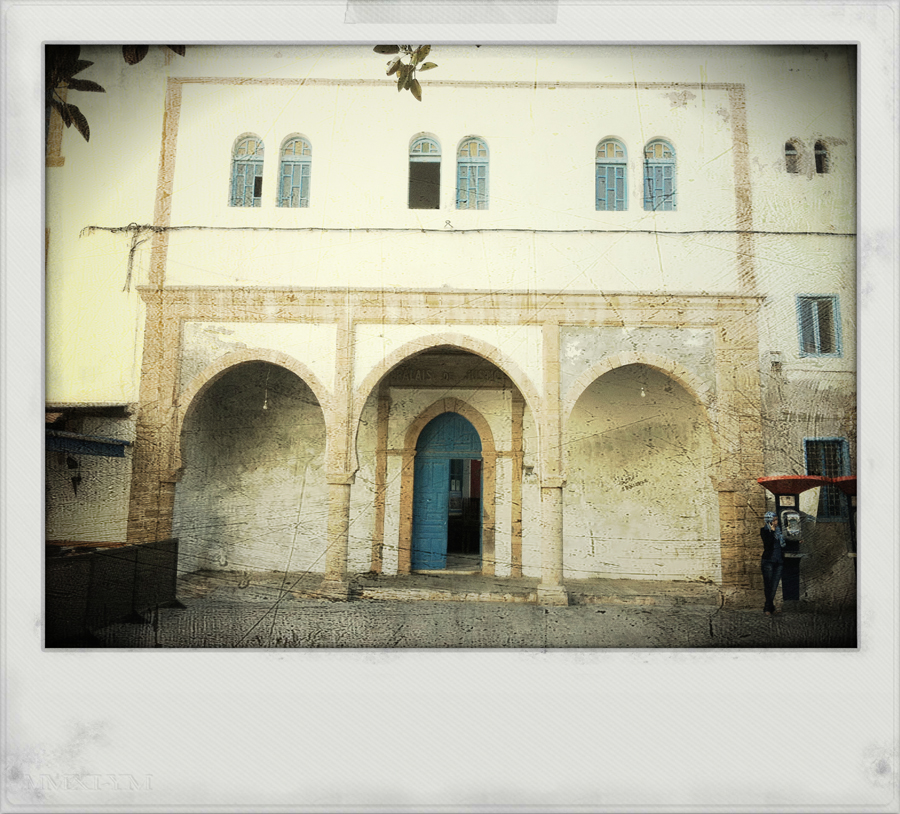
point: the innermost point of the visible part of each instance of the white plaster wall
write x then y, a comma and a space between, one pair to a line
639, 501
362, 493
503, 519
390, 553
253, 496
521, 344
309, 343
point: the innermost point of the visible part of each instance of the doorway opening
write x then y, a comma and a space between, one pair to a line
447, 510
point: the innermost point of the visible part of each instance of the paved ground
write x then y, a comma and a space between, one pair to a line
274, 610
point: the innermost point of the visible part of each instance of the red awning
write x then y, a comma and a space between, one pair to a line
846, 484
792, 484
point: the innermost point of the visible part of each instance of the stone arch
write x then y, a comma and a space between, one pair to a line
701, 390
449, 404
456, 340
188, 398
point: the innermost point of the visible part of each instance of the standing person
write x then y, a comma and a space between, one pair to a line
772, 559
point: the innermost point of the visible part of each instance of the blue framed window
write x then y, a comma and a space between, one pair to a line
296, 163
472, 174
792, 154
819, 324
829, 458
659, 176
425, 174
611, 188
246, 172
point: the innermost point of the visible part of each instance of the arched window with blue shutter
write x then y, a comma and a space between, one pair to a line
659, 176
611, 189
296, 164
425, 173
246, 171
472, 174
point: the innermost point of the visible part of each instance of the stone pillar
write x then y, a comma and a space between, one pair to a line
336, 584
340, 454
551, 591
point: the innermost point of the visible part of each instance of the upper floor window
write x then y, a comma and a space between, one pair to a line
611, 176
828, 457
425, 174
296, 162
821, 157
792, 156
246, 172
472, 174
820, 325
659, 176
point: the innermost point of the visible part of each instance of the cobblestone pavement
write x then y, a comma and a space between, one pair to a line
314, 623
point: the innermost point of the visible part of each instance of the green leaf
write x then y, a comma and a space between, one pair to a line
416, 89
402, 73
134, 53
178, 49
428, 66
80, 122
410, 77
86, 85
386, 49
421, 52
393, 66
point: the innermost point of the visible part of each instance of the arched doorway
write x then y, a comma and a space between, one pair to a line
447, 492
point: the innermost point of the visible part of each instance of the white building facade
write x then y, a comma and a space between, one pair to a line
556, 318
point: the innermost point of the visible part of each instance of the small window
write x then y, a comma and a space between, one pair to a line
820, 325
828, 457
425, 174
611, 176
246, 172
659, 176
296, 163
821, 157
472, 175
792, 156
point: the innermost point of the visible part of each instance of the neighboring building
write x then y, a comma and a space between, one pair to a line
557, 318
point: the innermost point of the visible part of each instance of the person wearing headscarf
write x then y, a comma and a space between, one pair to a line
772, 559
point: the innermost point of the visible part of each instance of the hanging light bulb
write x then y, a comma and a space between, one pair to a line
643, 393
266, 397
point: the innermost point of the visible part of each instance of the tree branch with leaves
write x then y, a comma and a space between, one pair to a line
62, 63
406, 71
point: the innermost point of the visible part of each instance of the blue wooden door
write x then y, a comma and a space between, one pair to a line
445, 437
431, 507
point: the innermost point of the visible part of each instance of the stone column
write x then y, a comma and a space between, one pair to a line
341, 457
551, 591
336, 584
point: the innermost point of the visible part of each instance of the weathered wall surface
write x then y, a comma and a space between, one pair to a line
95, 507
253, 493
639, 498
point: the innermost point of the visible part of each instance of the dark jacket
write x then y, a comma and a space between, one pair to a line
772, 551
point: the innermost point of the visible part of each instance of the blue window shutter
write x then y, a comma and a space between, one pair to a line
601, 187
648, 187
620, 189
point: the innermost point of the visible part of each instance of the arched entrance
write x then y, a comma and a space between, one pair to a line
447, 495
